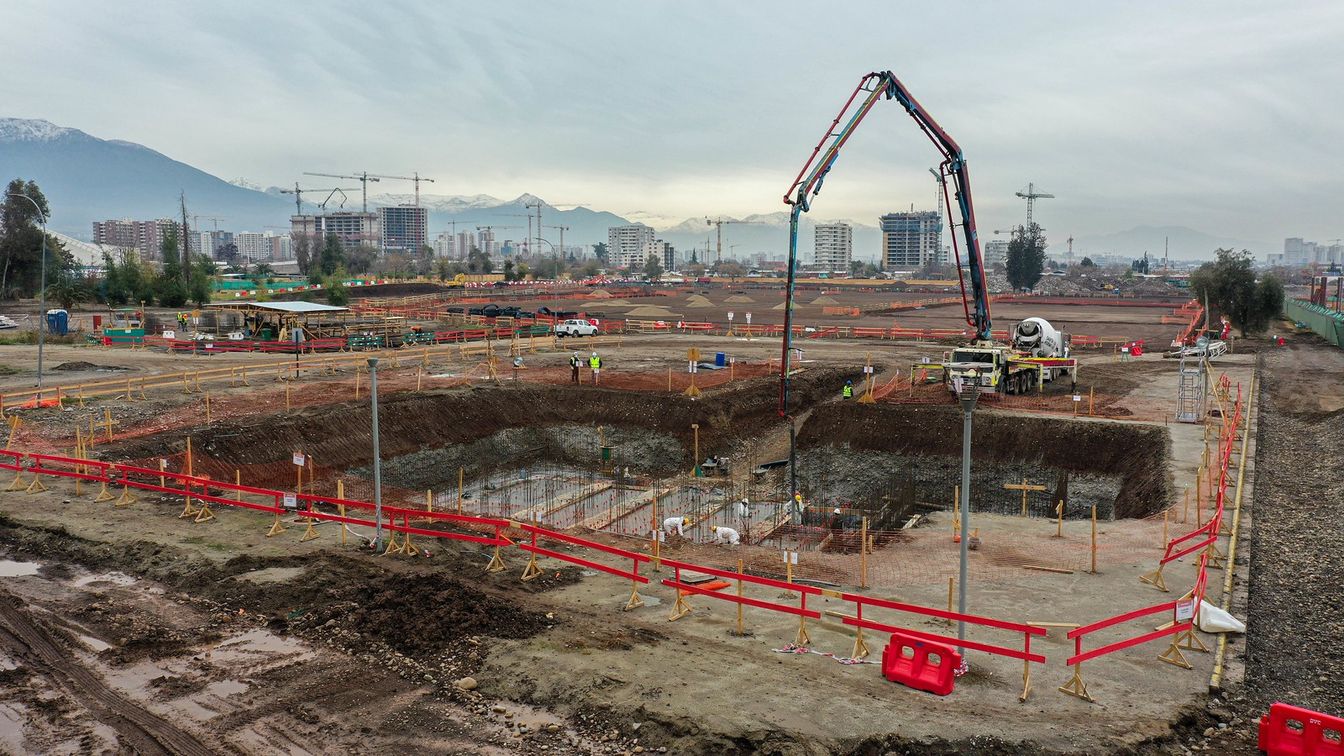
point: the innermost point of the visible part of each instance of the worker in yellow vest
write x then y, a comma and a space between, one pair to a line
595, 363
848, 391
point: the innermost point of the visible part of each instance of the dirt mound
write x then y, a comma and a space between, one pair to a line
651, 311
430, 611
779, 306
80, 367
600, 294
739, 299
825, 300
698, 301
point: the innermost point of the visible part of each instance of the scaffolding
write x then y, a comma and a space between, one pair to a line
1190, 396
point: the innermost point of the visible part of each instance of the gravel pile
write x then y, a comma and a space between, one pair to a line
1295, 645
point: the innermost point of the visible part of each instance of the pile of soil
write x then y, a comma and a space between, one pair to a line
739, 299
651, 311
698, 302
80, 367
600, 294
825, 300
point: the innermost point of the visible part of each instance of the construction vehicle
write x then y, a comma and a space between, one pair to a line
983, 365
1037, 355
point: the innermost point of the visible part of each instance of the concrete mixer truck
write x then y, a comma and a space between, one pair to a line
1037, 354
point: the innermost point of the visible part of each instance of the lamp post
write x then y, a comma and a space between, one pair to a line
42, 292
377, 460
967, 394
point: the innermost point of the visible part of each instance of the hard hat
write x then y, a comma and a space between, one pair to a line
836, 510
849, 382
594, 354
686, 520
713, 528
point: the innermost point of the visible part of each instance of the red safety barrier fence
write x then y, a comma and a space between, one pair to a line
1294, 731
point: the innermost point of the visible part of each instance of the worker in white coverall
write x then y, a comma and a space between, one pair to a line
675, 525
724, 535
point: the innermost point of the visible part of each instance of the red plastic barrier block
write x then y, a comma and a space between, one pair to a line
1294, 731
920, 664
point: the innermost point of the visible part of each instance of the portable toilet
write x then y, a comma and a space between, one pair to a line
58, 322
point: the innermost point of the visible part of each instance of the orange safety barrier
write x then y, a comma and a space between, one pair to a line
1293, 731
927, 665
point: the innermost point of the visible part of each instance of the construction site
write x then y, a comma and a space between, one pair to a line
741, 517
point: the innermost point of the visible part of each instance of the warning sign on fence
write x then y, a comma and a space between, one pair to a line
1185, 609
298, 458
291, 501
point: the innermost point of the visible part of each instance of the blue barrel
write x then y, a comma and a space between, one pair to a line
720, 359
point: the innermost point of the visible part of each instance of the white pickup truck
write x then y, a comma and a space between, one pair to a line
575, 328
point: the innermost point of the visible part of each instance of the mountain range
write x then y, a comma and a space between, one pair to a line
86, 178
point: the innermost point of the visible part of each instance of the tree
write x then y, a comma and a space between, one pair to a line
169, 289
731, 269
67, 290
360, 260
21, 241
201, 279
1141, 265
600, 252
1087, 263
303, 252
508, 270
653, 268
1026, 256
331, 258
1229, 285
338, 294
589, 268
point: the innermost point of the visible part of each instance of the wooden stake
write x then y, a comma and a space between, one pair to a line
1094, 539
207, 408
340, 494
356, 382
429, 500
286, 397
237, 481
1164, 528
107, 420
1090, 392
863, 554
951, 584
740, 631
1185, 510
1059, 519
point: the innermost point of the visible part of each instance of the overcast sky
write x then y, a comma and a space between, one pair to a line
1223, 116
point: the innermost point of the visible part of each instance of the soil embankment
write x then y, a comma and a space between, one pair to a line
337, 435
1101, 457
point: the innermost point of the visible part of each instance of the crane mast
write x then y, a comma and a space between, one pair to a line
872, 88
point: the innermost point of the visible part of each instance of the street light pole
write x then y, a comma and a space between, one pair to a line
377, 460
42, 292
968, 396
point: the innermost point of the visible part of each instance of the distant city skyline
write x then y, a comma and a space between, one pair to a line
1206, 115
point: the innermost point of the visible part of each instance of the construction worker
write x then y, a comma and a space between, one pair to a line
574, 363
676, 525
744, 508
724, 535
595, 363
848, 391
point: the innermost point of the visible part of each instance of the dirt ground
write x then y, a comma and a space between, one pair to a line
127, 634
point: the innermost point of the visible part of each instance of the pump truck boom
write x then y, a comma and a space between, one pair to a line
873, 87
986, 366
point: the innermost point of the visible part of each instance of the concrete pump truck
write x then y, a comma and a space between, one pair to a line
1038, 353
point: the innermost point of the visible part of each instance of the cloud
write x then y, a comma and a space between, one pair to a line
1219, 116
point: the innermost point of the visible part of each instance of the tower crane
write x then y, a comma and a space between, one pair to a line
718, 224
416, 177
1031, 195
363, 178
562, 230
299, 191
